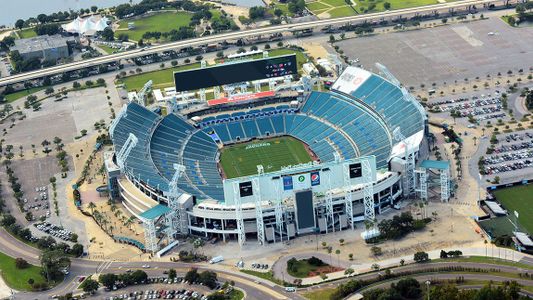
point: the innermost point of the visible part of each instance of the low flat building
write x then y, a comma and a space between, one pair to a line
45, 47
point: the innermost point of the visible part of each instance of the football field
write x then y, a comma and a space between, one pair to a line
520, 199
242, 159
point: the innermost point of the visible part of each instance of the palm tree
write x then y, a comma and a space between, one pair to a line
338, 252
330, 250
474, 138
92, 206
111, 229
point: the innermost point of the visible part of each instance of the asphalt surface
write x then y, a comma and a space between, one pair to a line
440, 8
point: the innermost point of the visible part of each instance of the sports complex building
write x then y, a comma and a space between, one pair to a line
270, 168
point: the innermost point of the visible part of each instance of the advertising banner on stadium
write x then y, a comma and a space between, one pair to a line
287, 183
315, 178
301, 182
350, 80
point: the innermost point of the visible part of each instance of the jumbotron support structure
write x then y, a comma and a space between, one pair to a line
150, 235
445, 185
422, 186
348, 203
130, 143
330, 219
278, 210
368, 190
174, 216
258, 206
238, 215
410, 162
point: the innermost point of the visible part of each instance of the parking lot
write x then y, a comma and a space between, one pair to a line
55, 231
480, 107
446, 53
162, 288
513, 152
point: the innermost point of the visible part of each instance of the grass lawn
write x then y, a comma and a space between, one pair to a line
497, 226
302, 268
242, 159
26, 33
321, 294
343, 11
17, 278
17, 95
107, 49
334, 2
314, 6
236, 295
161, 78
162, 22
483, 259
518, 198
264, 275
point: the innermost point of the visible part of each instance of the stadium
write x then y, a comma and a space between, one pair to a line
268, 169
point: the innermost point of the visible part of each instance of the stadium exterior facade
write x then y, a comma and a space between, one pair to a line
165, 169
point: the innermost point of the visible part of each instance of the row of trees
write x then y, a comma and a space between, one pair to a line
207, 278
400, 225
126, 279
127, 10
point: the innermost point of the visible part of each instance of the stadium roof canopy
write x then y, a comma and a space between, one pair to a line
496, 208
87, 26
524, 239
435, 164
155, 212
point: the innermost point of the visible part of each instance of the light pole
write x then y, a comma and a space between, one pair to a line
427, 285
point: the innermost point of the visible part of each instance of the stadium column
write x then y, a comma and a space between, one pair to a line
150, 235
368, 190
258, 211
238, 214
444, 185
329, 204
348, 195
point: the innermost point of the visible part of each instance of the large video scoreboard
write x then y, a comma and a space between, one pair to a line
265, 68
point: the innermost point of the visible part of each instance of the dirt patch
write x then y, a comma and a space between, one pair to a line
324, 270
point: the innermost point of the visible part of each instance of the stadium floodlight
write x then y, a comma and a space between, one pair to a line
130, 143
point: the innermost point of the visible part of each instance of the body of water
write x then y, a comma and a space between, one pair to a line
12, 10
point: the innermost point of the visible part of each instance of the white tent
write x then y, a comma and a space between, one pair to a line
87, 26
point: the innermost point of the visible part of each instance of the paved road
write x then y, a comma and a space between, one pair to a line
467, 276
15, 248
441, 8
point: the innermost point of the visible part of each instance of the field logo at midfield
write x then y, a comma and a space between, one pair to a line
259, 145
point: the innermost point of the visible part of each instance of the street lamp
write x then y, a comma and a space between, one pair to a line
427, 285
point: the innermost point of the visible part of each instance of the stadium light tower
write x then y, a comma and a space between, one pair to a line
130, 143
141, 95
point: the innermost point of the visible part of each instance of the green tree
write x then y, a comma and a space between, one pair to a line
172, 274
54, 263
108, 280
421, 256
386, 5
90, 286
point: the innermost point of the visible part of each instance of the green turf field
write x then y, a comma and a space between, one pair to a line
519, 198
242, 159
162, 22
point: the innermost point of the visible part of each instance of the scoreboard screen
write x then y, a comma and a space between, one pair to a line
265, 68
355, 170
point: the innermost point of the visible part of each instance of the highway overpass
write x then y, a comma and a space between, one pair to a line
442, 7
